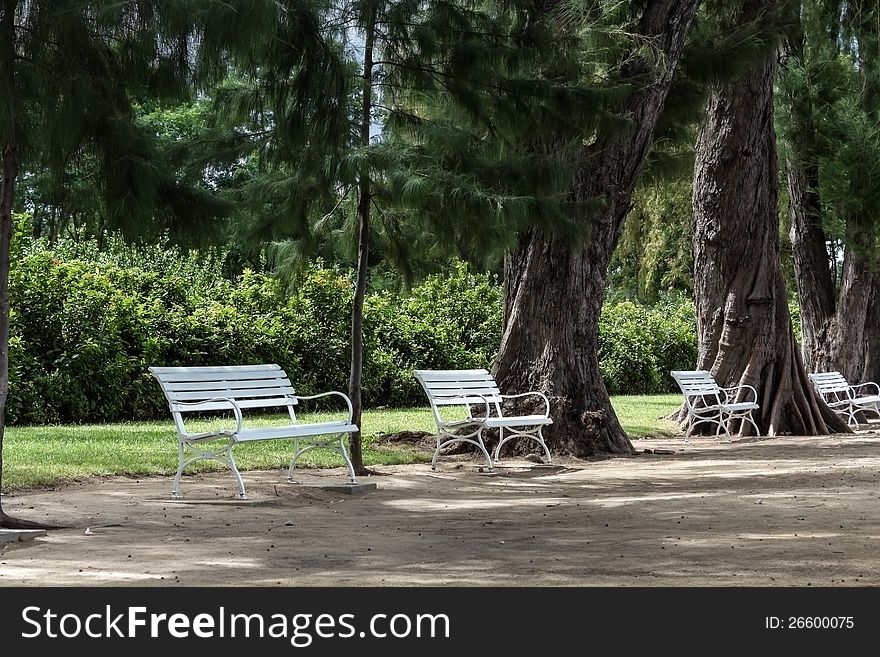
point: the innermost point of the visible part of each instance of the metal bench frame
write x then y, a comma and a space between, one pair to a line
236, 388
844, 398
477, 389
707, 402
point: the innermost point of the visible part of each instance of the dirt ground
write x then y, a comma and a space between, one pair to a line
789, 511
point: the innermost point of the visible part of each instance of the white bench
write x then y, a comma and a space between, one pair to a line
707, 402
237, 388
476, 389
846, 399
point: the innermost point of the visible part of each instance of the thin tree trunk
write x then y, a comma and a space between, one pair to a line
554, 289
100, 234
743, 325
360, 291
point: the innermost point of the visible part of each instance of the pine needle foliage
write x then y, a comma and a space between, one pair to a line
68, 71
828, 120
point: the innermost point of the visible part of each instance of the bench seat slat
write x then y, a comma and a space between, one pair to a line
199, 369
464, 390
294, 431
439, 386
702, 390
517, 421
462, 401
263, 402
228, 384
193, 377
247, 393
455, 375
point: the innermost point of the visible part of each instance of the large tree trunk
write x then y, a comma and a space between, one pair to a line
554, 289
743, 324
9, 172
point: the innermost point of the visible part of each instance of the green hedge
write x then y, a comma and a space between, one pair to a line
639, 345
84, 334
85, 330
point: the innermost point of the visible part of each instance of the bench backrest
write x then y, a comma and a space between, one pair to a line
251, 386
829, 382
697, 384
458, 387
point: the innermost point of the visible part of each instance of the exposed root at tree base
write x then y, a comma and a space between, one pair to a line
9, 522
367, 472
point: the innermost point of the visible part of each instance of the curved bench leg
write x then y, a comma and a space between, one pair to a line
498, 446
754, 424
223, 456
346, 459
436, 451
483, 449
534, 435
181, 463
476, 441
297, 452
540, 438
242, 494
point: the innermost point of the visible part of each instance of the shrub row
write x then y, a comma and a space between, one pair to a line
84, 332
639, 345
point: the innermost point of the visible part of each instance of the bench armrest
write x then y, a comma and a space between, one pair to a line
236, 409
528, 394
876, 388
731, 393
326, 394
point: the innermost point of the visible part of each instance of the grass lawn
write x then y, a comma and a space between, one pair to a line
35, 456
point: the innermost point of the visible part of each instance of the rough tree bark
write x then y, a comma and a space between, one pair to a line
554, 289
840, 331
840, 326
8, 176
743, 325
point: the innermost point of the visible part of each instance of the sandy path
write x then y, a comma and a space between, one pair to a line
769, 512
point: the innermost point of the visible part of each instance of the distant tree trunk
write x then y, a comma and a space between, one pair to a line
360, 291
841, 334
743, 324
99, 236
554, 289
840, 327
813, 273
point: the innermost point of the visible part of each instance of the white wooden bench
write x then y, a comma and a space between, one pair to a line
707, 402
237, 388
845, 399
477, 391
